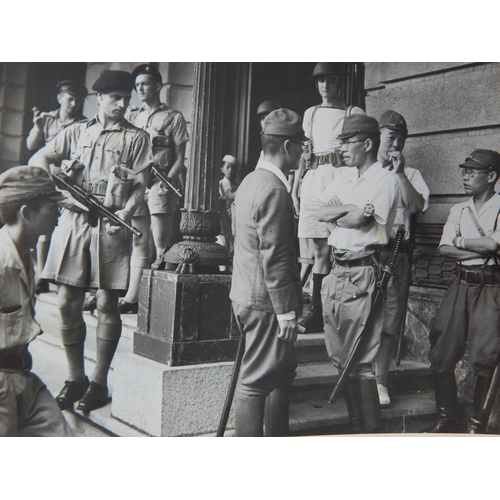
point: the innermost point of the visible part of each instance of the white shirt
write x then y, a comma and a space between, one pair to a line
265, 165
376, 186
403, 213
460, 223
326, 126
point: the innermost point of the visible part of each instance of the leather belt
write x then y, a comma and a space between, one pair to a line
12, 359
97, 188
363, 262
477, 277
332, 158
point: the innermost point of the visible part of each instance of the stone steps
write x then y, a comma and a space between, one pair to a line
310, 412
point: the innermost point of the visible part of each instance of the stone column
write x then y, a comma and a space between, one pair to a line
200, 223
185, 312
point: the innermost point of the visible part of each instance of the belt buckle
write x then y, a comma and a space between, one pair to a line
26, 361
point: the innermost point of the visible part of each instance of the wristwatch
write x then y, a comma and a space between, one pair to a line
369, 210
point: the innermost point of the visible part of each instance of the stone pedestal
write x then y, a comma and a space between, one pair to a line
185, 318
167, 401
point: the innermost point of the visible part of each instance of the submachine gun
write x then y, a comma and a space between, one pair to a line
90, 201
381, 286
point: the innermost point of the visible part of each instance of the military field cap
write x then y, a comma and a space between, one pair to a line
482, 159
147, 69
74, 88
328, 68
231, 159
359, 124
27, 183
394, 121
114, 80
267, 106
283, 122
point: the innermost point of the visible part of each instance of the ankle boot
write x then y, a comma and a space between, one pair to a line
249, 416
478, 420
367, 404
276, 414
313, 322
445, 390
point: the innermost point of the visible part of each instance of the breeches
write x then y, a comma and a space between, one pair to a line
347, 294
469, 314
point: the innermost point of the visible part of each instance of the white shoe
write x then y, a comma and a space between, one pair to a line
383, 396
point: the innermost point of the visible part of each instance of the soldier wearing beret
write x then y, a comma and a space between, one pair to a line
94, 153
266, 290
359, 208
322, 125
414, 199
470, 311
28, 209
160, 215
46, 125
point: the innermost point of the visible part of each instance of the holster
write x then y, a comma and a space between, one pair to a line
120, 183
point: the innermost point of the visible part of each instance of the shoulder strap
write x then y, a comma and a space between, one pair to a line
312, 121
348, 111
476, 222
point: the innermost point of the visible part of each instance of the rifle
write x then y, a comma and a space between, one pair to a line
381, 286
94, 205
165, 181
232, 386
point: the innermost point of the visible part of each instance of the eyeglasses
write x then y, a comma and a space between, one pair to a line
347, 143
471, 172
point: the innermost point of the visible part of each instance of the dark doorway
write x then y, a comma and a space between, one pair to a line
288, 84
41, 92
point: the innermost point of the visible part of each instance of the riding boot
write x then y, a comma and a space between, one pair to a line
351, 408
478, 421
313, 322
276, 414
249, 416
445, 390
367, 404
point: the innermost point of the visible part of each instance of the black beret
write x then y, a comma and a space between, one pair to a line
147, 69
114, 80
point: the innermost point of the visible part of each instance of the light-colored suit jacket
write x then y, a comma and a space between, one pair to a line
266, 274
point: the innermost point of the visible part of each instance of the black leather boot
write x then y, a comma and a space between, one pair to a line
445, 390
313, 322
249, 417
276, 414
367, 404
478, 420
351, 409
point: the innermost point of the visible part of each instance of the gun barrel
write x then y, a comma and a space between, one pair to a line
165, 181
91, 201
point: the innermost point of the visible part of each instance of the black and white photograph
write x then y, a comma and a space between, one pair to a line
307, 251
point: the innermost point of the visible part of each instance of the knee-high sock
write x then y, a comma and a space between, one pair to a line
73, 340
108, 336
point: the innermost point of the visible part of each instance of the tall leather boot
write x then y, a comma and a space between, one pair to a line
478, 421
445, 390
351, 409
313, 322
367, 404
249, 417
276, 414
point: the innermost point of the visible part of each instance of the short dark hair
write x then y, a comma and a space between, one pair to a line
273, 144
9, 211
375, 138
